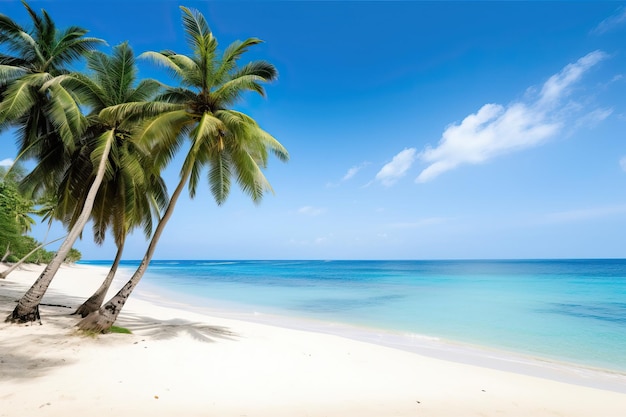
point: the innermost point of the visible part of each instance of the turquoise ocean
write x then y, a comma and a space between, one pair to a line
571, 311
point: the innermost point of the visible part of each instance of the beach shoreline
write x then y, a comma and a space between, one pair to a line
430, 346
210, 363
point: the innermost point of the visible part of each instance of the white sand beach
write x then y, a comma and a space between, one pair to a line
184, 363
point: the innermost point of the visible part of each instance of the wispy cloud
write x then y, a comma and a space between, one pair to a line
496, 129
593, 118
397, 168
311, 211
349, 175
353, 171
622, 163
611, 22
6, 163
585, 214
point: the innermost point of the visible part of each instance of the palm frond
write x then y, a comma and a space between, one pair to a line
8, 72
163, 59
20, 96
65, 114
102, 142
146, 89
209, 128
87, 92
262, 69
198, 32
141, 109
219, 176
249, 176
232, 53
70, 45
164, 135
123, 70
177, 95
13, 61
232, 90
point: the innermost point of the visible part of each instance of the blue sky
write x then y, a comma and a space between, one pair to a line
417, 130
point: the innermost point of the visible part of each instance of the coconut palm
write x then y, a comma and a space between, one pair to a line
46, 127
46, 116
226, 142
104, 146
127, 200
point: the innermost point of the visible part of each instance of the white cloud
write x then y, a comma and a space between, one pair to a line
557, 86
611, 22
496, 130
353, 171
6, 162
349, 175
586, 214
593, 118
311, 211
397, 168
622, 163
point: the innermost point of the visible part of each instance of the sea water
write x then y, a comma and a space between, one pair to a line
567, 310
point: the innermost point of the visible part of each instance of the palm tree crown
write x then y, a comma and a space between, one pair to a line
226, 141
44, 114
132, 189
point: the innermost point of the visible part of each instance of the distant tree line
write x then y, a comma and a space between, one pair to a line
16, 222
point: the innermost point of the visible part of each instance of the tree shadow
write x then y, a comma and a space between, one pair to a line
32, 350
22, 366
169, 329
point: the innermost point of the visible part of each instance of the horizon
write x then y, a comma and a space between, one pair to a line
417, 130
363, 260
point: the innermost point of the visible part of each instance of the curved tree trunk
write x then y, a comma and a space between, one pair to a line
6, 272
94, 302
27, 308
101, 320
7, 253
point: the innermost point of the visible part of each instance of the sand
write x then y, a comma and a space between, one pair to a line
179, 362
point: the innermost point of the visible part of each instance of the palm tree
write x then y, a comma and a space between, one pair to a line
227, 142
46, 127
102, 148
128, 200
47, 118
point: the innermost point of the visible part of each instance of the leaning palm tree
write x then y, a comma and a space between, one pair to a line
99, 148
45, 114
226, 142
129, 199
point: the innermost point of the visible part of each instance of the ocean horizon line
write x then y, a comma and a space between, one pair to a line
364, 260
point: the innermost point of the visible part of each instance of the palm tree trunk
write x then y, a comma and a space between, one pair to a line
6, 272
7, 253
94, 302
27, 308
101, 320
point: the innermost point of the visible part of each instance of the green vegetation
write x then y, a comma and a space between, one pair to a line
99, 139
117, 329
15, 222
